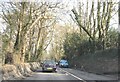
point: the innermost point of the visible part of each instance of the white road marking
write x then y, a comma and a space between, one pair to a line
73, 75
66, 73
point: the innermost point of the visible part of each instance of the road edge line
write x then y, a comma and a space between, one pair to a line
73, 75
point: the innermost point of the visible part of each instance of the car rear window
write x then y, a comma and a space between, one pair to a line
49, 62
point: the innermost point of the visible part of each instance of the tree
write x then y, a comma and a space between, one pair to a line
30, 25
95, 24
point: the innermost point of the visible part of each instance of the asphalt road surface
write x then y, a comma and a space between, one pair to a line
59, 75
69, 74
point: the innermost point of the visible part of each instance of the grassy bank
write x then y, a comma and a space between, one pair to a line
102, 62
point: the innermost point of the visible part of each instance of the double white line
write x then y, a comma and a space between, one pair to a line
73, 75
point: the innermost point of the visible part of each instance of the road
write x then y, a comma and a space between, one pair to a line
59, 75
69, 74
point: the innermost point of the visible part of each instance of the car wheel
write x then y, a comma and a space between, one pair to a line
54, 70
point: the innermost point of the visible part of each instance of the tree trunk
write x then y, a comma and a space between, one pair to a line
23, 47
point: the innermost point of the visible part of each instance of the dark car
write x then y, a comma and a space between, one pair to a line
63, 63
49, 65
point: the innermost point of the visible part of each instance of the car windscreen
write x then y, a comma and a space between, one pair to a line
63, 61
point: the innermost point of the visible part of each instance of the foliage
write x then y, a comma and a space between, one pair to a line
112, 39
29, 28
33, 28
75, 46
95, 24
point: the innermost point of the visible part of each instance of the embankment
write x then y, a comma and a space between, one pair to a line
18, 71
101, 62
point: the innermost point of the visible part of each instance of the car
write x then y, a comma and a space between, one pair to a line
63, 63
49, 65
